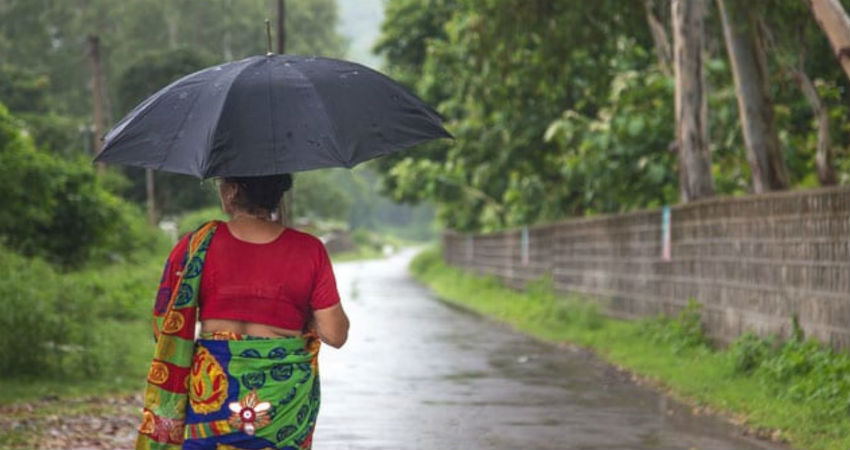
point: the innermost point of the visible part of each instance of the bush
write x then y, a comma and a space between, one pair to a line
57, 209
682, 332
748, 352
54, 324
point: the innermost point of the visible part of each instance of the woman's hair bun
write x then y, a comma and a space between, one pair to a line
260, 194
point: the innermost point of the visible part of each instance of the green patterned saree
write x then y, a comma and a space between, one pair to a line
225, 391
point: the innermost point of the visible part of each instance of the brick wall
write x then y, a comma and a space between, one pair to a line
752, 262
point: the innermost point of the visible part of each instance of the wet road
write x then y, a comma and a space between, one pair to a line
418, 374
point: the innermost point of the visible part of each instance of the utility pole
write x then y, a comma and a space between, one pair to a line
281, 27
286, 217
93, 42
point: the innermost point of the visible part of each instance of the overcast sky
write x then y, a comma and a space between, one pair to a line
360, 22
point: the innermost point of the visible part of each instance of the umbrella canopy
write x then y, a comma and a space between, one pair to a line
268, 115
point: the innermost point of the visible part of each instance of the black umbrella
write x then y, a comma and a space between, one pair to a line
268, 115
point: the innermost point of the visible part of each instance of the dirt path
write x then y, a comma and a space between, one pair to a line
86, 423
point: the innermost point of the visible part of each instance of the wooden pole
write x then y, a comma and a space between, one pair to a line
286, 217
281, 27
93, 42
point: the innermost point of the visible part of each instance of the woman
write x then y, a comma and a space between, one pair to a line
265, 295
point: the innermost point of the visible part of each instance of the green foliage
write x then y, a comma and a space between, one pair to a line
501, 73
619, 158
325, 194
151, 71
748, 352
797, 370
555, 309
145, 44
408, 27
537, 307
57, 209
560, 109
49, 39
155, 69
69, 325
683, 332
28, 95
22, 90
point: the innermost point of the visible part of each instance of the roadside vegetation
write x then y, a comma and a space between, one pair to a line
793, 390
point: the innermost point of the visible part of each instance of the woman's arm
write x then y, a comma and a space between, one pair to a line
332, 325
329, 319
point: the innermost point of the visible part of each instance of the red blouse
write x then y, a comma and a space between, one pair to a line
279, 283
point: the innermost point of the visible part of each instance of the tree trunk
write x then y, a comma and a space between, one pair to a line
97, 93
660, 38
823, 156
695, 179
834, 21
755, 107
149, 190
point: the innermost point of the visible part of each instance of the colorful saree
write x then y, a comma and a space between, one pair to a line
225, 391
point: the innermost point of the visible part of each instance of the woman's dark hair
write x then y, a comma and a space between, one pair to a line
259, 194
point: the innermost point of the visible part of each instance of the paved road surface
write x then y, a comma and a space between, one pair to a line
418, 374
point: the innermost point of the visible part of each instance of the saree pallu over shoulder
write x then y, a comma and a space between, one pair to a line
164, 412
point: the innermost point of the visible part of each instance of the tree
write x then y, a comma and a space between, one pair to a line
835, 22
749, 71
49, 40
659, 37
691, 108
501, 72
789, 35
58, 209
49, 37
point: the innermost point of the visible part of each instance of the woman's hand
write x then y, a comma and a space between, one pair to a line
331, 324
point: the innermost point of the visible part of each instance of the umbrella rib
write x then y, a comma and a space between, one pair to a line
336, 148
218, 115
272, 117
177, 130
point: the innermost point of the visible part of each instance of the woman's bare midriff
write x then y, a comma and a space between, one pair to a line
249, 328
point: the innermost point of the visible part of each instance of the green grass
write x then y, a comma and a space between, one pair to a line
795, 391
361, 253
98, 316
128, 377
89, 330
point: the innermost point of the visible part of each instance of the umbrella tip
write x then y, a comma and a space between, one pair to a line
268, 38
